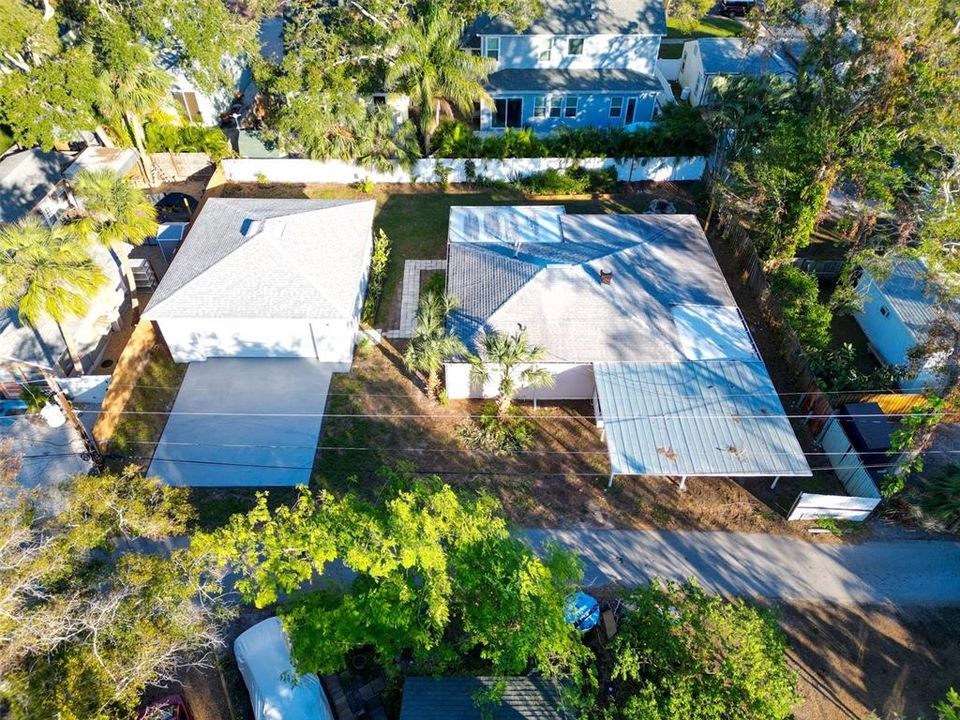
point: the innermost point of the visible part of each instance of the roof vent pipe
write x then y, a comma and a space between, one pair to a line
606, 277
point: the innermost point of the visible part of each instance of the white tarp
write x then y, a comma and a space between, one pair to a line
276, 692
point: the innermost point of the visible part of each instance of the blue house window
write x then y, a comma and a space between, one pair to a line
570, 107
884, 311
616, 106
574, 46
508, 112
556, 106
492, 47
544, 55
540, 107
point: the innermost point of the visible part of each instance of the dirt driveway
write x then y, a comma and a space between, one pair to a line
854, 661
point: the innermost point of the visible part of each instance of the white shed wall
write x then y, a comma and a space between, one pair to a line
571, 382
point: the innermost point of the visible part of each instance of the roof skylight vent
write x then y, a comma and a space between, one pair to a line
250, 227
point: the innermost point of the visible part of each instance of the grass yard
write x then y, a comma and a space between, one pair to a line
135, 436
709, 26
670, 51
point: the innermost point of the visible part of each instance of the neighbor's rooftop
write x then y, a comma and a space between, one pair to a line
737, 56
26, 178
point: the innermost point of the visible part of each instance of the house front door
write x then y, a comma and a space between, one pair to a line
631, 111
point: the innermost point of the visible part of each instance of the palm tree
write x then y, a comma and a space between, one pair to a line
430, 66
47, 274
431, 343
131, 95
508, 353
115, 212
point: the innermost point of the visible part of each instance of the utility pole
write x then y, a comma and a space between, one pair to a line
92, 449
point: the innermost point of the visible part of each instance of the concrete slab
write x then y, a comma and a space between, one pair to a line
244, 422
45, 456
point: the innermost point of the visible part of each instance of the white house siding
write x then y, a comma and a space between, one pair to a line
691, 72
572, 381
195, 339
630, 52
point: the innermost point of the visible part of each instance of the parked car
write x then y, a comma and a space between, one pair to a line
737, 8
276, 691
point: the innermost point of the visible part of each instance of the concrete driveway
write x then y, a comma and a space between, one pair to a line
244, 422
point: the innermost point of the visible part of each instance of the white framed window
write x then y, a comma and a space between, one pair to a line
556, 106
545, 49
540, 107
491, 48
570, 106
616, 106
575, 46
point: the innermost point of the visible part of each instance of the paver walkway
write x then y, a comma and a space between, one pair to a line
902, 572
410, 295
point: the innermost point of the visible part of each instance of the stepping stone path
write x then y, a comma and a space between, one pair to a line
410, 295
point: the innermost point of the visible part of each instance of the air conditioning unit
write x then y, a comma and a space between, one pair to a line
685, 94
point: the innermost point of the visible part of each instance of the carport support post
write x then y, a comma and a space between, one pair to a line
610, 482
773, 485
683, 483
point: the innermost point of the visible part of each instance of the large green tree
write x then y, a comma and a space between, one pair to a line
89, 616
437, 578
430, 66
116, 213
48, 274
681, 654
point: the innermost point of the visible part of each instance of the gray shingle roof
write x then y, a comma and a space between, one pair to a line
25, 179
735, 56
587, 17
545, 80
710, 417
452, 698
553, 289
246, 258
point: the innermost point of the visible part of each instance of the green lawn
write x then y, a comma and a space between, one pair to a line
670, 51
707, 27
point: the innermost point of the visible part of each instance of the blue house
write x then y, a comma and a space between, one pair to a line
897, 310
580, 64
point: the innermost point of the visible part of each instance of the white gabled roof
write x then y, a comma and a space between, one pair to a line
284, 259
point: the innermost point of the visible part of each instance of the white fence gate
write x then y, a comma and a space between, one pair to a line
809, 506
863, 495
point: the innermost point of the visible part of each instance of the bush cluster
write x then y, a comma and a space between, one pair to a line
574, 181
679, 132
162, 137
379, 260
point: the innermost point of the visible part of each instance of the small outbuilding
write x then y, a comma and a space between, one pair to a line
458, 698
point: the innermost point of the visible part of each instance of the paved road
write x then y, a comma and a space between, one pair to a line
902, 572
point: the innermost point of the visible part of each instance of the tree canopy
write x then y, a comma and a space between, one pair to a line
88, 615
437, 579
681, 654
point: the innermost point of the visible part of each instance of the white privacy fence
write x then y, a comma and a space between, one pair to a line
294, 170
864, 496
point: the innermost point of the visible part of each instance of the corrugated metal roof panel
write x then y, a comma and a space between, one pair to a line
712, 417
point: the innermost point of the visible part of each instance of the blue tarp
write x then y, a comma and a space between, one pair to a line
582, 611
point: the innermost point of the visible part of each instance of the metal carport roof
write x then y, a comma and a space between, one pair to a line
703, 417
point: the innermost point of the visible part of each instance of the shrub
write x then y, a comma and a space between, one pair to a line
836, 370
161, 137
942, 495
799, 295
378, 272
491, 433
569, 182
34, 397
679, 131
